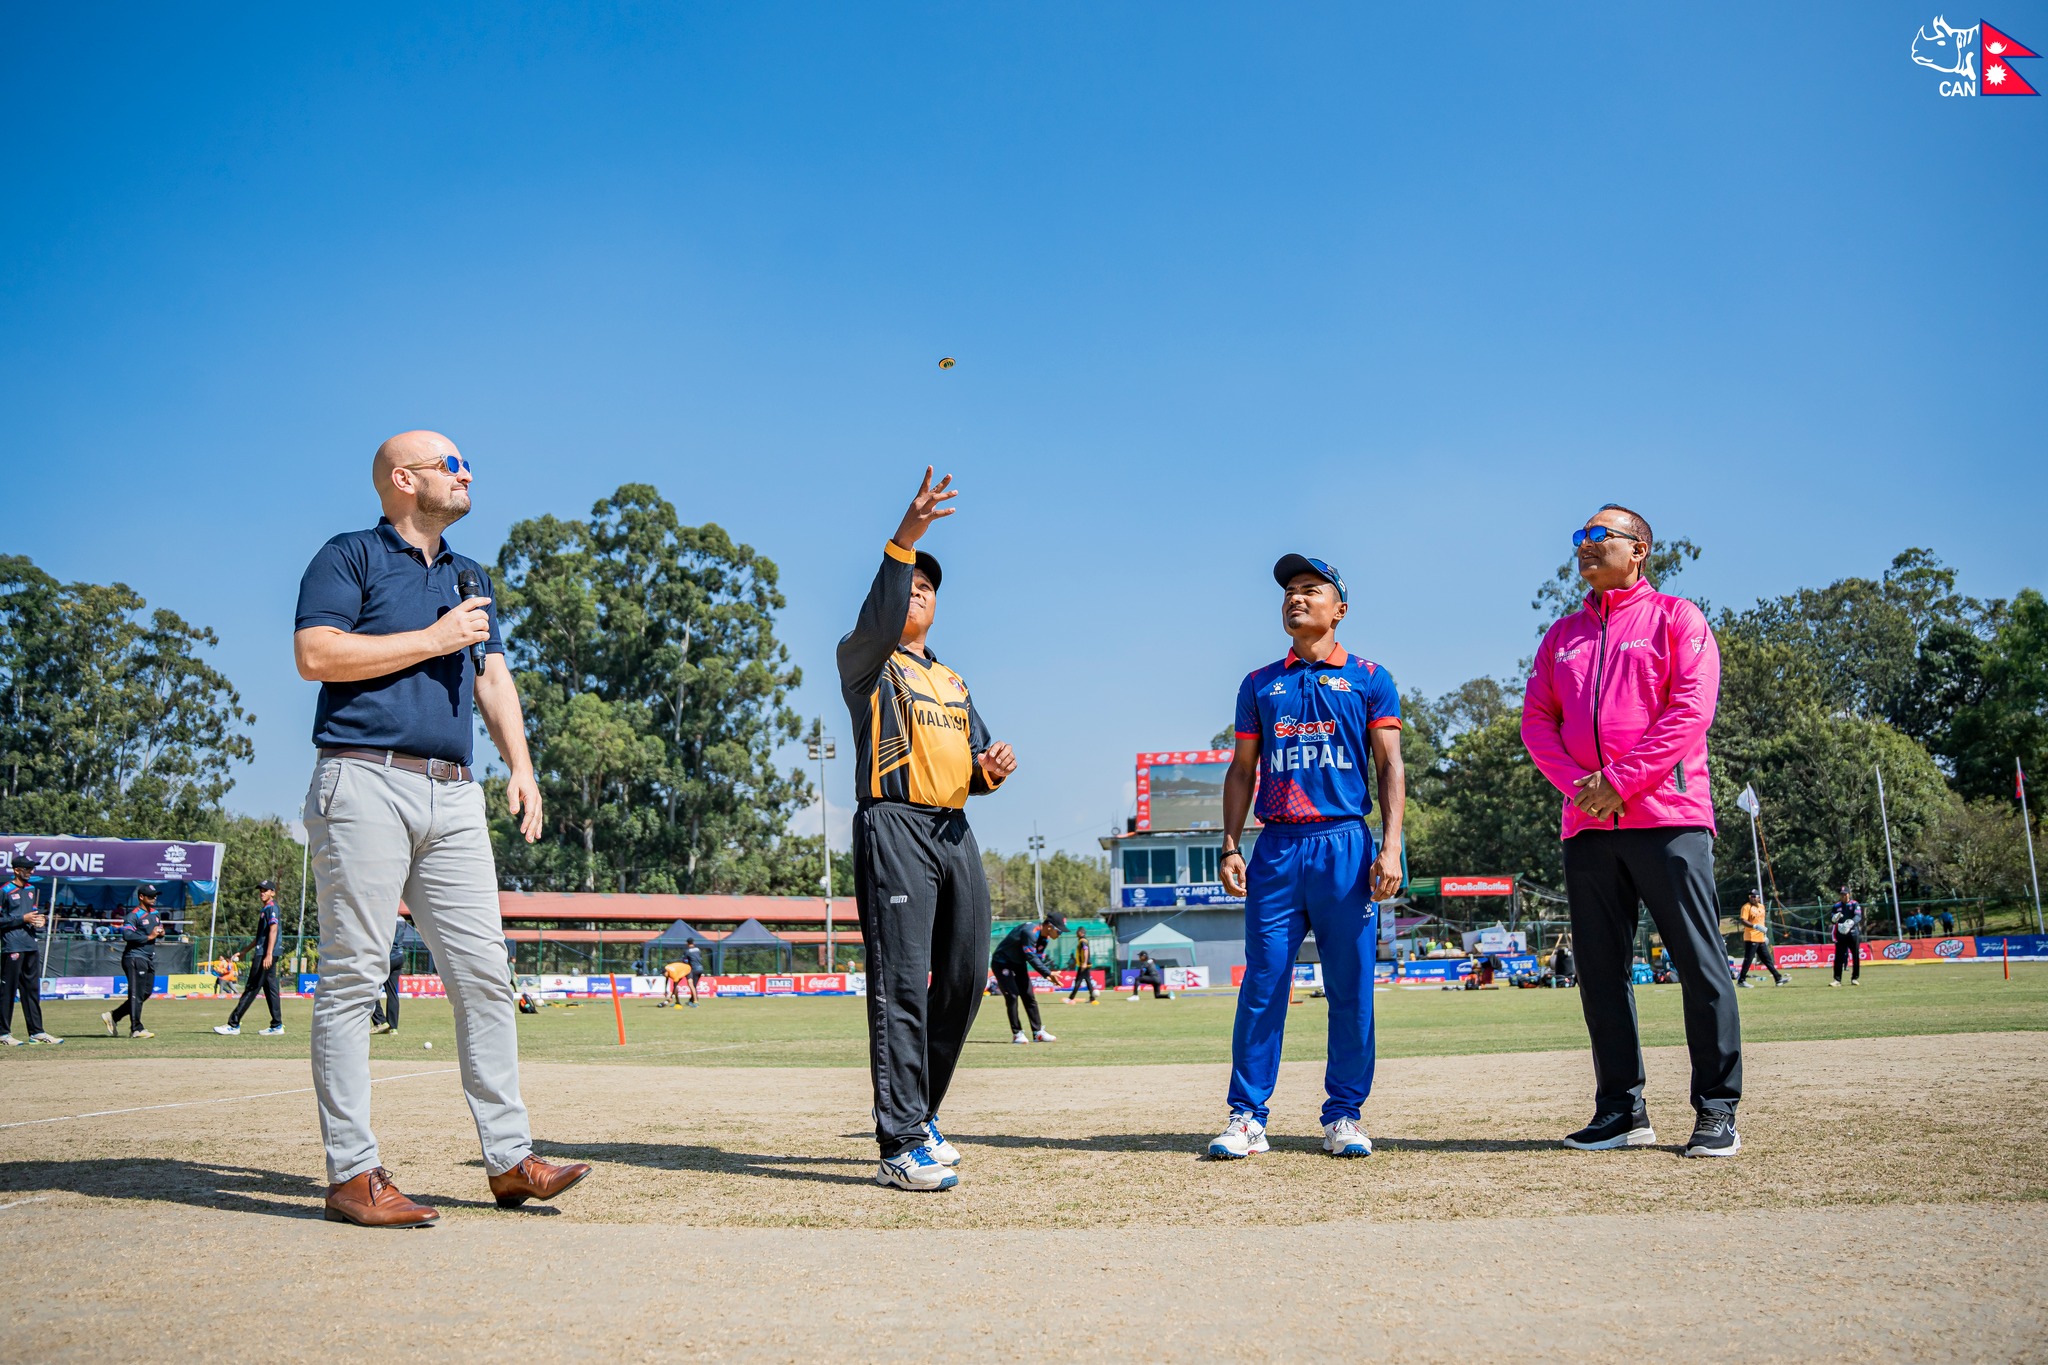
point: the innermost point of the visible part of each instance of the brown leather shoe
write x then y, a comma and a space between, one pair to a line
372, 1201
535, 1179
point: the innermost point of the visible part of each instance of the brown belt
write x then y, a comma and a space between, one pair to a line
440, 769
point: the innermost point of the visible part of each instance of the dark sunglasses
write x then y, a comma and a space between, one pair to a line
1596, 534
450, 463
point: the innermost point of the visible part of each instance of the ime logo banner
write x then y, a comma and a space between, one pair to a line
1972, 61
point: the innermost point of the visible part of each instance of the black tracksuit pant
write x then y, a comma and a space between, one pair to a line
22, 974
1607, 872
1752, 951
1015, 987
264, 979
924, 916
141, 971
1849, 949
1083, 979
387, 1013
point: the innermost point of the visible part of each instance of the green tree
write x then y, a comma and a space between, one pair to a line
2000, 695
109, 713
1077, 887
656, 697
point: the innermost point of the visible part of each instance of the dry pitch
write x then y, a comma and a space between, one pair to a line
1889, 1205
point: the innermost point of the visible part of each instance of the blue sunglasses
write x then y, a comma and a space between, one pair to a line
449, 463
1596, 534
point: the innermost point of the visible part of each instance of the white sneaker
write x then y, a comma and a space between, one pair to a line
381, 1028
277, 1032
1022, 1037
1345, 1138
942, 1151
230, 1030
1132, 997
915, 1170
13, 1041
108, 1020
44, 1038
1242, 1136
1044, 1037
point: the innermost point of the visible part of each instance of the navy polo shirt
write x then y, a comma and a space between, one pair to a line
374, 583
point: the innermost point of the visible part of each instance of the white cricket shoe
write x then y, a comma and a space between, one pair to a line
1022, 1037
1346, 1138
1044, 1037
942, 1151
44, 1038
13, 1041
277, 1032
1242, 1136
915, 1170
230, 1030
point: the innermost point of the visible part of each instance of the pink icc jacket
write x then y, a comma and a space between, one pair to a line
1627, 684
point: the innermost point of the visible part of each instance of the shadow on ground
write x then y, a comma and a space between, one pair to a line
677, 1156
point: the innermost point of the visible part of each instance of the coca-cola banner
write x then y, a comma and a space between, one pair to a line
120, 860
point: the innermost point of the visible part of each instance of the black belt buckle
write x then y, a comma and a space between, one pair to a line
441, 770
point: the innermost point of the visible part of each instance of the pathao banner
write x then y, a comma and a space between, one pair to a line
1955, 948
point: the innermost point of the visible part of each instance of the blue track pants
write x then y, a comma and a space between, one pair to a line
1301, 878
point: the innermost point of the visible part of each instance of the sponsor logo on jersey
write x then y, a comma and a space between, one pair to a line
1634, 644
1336, 682
1291, 728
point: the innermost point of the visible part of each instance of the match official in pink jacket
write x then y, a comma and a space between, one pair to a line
1616, 716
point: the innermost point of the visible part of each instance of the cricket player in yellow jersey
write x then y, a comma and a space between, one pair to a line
924, 911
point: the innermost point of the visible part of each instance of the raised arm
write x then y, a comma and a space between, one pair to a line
879, 627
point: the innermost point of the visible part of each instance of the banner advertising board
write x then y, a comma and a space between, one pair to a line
186, 984
117, 860
2016, 947
1955, 949
1476, 886
1186, 893
83, 988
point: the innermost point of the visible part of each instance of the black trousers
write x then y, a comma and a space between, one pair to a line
22, 974
141, 972
924, 916
387, 1013
1082, 978
264, 979
1156, 980
1849, 949
1607, 873
1015, 987
1753, 951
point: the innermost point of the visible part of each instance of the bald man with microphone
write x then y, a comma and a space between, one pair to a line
400, 632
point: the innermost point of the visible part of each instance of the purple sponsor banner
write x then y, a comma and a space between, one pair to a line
139, 860
81, 988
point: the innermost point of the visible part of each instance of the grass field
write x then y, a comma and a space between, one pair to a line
1893, 1001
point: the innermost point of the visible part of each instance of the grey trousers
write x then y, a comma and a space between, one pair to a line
380, 835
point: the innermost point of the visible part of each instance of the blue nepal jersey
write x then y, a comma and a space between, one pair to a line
1311, 721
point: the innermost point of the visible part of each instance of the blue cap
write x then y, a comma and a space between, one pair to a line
1290, 565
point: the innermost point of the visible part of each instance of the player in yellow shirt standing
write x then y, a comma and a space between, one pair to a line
921, 749
1756, 945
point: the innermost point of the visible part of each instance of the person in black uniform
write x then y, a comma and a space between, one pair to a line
21, 956
139, 932
1151, 974
694, 955
924, 910
262, 953
384, 1018
1847, 918
1021, 953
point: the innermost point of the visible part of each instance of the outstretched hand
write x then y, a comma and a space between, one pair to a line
924, 509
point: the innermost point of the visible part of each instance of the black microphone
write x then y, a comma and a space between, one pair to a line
470, 585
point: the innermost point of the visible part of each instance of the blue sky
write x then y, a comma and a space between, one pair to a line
1412, 289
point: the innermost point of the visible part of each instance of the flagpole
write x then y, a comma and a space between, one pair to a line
1898, 915
2026, 823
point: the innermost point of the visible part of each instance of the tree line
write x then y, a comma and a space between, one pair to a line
657, 696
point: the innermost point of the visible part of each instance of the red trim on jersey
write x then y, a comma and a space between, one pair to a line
1338, 658
1384, 723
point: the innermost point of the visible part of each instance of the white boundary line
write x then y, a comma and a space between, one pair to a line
224, 1099
32, 1199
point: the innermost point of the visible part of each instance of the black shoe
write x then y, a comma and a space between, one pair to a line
1714, 1135
1617, 1129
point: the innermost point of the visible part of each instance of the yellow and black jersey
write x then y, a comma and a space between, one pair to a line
917, 736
